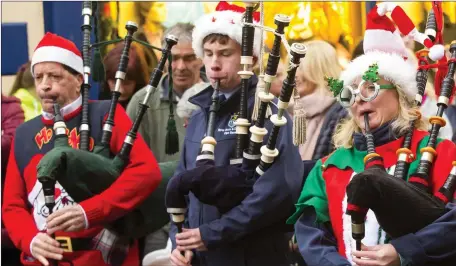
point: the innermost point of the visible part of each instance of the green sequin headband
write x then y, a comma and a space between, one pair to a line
371, 75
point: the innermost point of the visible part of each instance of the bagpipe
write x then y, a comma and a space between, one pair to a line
83, 173
48, 183
402, 207
226, 186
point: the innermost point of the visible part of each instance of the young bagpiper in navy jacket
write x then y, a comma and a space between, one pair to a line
254, 232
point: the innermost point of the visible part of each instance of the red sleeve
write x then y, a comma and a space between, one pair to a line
11, 119
139, 179
446, 154
16, 214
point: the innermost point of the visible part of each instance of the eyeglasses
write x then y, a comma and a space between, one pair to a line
366, 90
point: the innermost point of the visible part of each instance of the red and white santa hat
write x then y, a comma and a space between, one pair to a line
226, 20
54, 48
383, 45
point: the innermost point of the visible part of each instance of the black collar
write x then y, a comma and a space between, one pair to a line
382, 135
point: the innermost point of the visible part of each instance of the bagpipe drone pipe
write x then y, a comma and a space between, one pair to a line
48, 183
84, 174
402, 207
226, 186
175, 198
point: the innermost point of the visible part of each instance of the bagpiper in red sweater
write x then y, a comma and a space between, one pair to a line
24, 212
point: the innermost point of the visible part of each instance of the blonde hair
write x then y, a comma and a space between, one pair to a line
320, 61
345, 130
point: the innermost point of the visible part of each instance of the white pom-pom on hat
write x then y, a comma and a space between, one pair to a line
436, 52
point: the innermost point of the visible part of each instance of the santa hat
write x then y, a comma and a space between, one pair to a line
54, 48
383, 45
226, 20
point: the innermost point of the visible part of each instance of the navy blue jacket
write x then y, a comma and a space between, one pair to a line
253, 233
433, 245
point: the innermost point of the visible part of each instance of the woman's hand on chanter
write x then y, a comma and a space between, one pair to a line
379, 255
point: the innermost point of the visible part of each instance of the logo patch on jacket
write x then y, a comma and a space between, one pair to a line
231, 127
233, 119
46, 134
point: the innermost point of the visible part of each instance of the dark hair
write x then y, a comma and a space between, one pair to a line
71, 70
137, 69
359, 50
216, 37
24, 78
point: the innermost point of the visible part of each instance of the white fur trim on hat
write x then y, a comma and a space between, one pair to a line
382, 40
391, 67
59, 55
222, 22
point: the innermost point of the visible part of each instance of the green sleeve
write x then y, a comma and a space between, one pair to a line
313, 194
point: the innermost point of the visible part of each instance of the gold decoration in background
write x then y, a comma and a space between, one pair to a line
339, 23
450, 9
209, 7
417, 11
329, 21
148, 15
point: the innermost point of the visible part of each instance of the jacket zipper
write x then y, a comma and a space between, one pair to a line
203, 261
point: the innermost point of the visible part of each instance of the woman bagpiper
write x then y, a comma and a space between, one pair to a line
379, 88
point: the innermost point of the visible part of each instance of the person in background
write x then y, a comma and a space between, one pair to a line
12, 117
185, 73
24, 89
184, 107
323, 112
137, 72
276, 84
